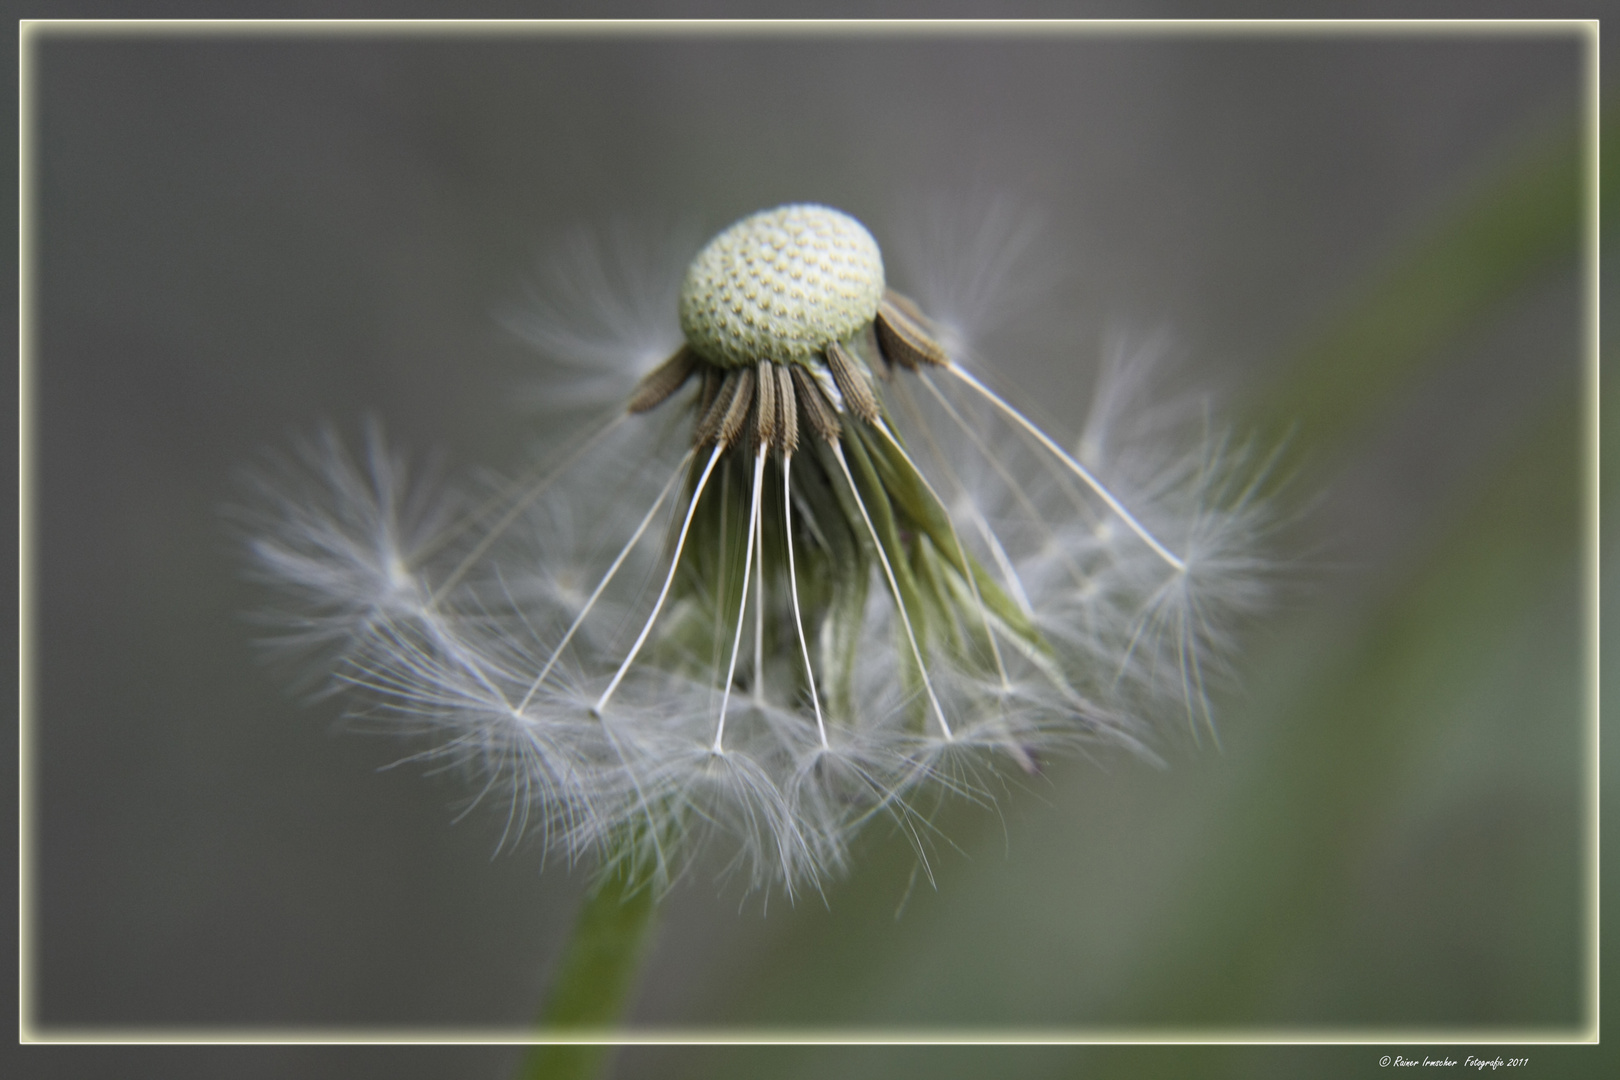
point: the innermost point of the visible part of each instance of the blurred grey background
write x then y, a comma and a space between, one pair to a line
238, 238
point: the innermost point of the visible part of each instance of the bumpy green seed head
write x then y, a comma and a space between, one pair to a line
781, 285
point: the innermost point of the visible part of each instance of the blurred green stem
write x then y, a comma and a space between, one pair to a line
597, 973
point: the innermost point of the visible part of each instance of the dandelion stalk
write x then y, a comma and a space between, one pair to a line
594, 980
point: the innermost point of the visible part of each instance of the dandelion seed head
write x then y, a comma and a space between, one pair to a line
781, 285
841, 580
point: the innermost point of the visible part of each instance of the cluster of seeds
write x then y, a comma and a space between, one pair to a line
829, 623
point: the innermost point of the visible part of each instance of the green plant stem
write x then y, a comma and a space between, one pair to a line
594, 980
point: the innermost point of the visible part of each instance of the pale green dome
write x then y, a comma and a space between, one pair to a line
781, 285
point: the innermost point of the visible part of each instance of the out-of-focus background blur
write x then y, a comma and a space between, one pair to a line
1371, 240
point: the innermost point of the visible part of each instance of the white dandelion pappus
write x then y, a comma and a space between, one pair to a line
341, 539
601, 310
809, 568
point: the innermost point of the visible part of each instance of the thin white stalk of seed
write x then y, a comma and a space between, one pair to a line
518, 507
607, 578
722, 565
793, 590
1072, 465
759, 614
1011, 575
742, 603
967, 567
1034, 515
894, 587
669, 579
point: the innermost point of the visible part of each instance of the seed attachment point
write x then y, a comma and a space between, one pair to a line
658, 384
903, 336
